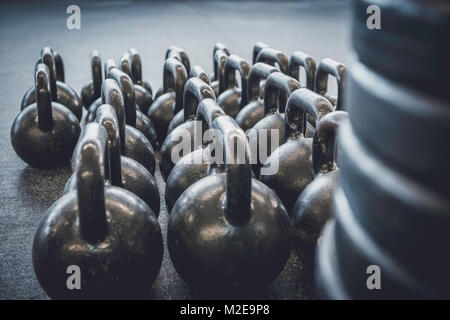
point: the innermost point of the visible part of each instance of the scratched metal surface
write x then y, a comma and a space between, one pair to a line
320, 28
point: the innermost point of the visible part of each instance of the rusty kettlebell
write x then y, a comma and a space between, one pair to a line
44, 133
274, 58
313, 207
133, 143
162, 110
295, 154
121, 171
92, 90
195, 91
193, 166
111, 236
299, 60
229, 233
250, 114
234, 98
328, 67
60, 91
196, 72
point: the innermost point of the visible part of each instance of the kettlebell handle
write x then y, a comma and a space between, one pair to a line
330, 67
136, 66
129, 95
125, 64
43, 97
236, 63
277, 89
59, 67
198, 72
301, 103
112, 95
207, 111
174, 79
96, 69
272, 56
106, 116
238, 185
195, 91
258, 72
90, 183
109, 64
220, 58
49, 60
257, 49
301, 59
179, 54
218, 46
324, 142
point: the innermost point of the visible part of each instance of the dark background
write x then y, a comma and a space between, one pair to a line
320, 28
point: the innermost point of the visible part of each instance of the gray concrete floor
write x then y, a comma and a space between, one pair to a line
320, 28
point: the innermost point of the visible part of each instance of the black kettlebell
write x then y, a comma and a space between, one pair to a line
111, 236
234, 98
195, 91
299, 60
60, 91
133, 143
250, 114
273, 57
143, 96
136, 70
133, 117
44, 133
196, 72
229, 233
59, 66
328, 67
92, 90
278, 87
295, 155
163, 108
220, 55
313, 207
121, 171
193, 166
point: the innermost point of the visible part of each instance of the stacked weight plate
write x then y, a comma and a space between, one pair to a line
392, 208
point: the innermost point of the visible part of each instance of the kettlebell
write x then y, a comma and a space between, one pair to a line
59, 66
295, 155
92, 90
106, 233
249, 115
313, 207
193, 166
195, 91
143, 96
121, 171
298, 60
136, 70
44, 133
196, 72
220, 55
60, 91
234, 98
278, 87
133, 116
163, 108
229, 233
273, 56
257, 49
133, 143
328, 67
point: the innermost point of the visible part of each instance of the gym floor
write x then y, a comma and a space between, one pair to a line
320, 28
